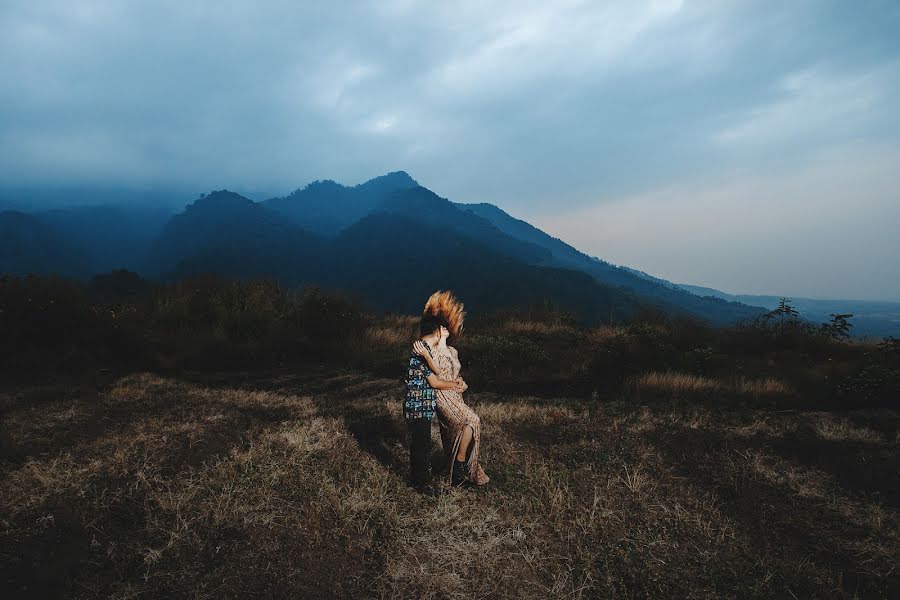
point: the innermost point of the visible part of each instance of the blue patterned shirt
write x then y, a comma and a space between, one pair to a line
421, 399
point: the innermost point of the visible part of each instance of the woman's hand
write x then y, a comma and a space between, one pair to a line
461, 385
420, 349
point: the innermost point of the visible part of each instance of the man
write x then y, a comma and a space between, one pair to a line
420, 401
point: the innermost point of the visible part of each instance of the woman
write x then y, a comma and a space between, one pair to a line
460, 426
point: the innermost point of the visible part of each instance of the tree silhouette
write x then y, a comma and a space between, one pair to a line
785, 314
839, 326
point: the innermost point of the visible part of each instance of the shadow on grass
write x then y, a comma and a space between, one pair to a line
807, 541
351, 396
866, 471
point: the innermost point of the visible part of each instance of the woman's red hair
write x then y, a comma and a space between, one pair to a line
445, 306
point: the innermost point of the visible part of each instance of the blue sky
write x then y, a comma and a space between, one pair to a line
751, 146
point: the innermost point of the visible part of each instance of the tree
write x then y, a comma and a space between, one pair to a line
838, 328
784, 313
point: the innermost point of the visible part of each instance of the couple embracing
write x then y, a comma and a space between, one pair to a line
434, 387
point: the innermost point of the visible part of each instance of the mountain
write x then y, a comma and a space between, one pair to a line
28, 245
380, 259
423, 205
666, 297
326, 207
560, 252
226, 233
108, 237
647, 276
392, 259
369, 238
301, 238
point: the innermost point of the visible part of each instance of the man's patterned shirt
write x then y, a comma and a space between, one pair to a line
421, 399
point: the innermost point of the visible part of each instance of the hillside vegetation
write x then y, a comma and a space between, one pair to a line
213, 438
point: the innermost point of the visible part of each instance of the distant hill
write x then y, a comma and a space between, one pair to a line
870, 318
80, 240
227, 233
108, 237
28, 245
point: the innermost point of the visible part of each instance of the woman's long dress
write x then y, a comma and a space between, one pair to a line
454, 416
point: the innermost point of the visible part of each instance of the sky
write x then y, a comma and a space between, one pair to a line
750, 146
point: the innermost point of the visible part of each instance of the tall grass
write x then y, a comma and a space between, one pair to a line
52, 325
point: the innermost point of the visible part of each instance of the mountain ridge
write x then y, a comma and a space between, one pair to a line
290, 237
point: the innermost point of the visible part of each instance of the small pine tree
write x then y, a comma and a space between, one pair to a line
838, 327
785, 314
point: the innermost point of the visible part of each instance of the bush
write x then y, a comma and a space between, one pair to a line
46, 322
492, 359
52, 325
876, 382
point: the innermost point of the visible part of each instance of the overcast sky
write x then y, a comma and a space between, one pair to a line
751, 146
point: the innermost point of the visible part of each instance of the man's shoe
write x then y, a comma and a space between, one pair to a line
430, 490
460, 472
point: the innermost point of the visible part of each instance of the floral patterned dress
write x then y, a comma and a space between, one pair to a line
454, 416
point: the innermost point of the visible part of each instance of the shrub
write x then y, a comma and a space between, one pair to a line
876, 382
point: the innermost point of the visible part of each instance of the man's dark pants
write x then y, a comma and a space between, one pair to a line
419, 450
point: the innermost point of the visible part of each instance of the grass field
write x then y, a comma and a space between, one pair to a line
292, 484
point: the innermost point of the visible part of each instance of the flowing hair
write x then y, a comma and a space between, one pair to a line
448, 309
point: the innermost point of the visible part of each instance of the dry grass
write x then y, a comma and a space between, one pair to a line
837, 429
671, 382
294, 486
604, 332
761, 386
514, 326
393, 331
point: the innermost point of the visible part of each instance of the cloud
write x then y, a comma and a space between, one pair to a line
213, 94
825, 230
814, 103
538, 107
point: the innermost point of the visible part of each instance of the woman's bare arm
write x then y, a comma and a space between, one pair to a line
420, 349
429, 361
442, 384
463, 385
434, 381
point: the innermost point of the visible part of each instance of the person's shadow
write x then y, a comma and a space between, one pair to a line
379, 435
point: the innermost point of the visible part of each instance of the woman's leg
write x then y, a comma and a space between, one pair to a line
465, 440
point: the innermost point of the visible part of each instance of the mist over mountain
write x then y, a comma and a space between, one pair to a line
389, 241
167, 199
29, 245
108, 236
